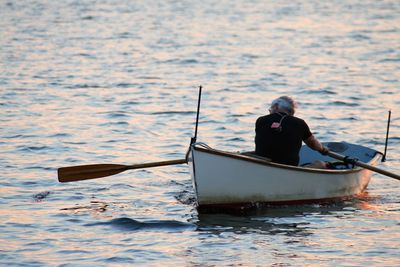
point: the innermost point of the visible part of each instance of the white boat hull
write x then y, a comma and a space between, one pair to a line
222, 178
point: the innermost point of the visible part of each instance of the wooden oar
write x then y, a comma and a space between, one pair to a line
85, 172
362, 164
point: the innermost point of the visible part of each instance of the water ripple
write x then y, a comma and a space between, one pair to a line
117, 81
128, 224
40, 196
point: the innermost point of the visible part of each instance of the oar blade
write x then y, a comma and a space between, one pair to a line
85, 172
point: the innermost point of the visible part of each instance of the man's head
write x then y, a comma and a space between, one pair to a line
284, 104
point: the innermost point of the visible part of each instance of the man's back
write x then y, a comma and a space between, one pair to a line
279, 137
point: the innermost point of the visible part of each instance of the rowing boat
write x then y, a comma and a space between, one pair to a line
222, 178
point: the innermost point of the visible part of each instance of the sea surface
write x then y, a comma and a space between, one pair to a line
84, 82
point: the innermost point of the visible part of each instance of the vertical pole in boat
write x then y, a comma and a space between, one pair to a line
197, 117
387, 137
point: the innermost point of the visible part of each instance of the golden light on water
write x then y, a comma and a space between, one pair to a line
117, 83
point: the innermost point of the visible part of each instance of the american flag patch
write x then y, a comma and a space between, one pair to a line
275, 125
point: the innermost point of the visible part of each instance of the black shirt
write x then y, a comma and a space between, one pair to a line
279, 137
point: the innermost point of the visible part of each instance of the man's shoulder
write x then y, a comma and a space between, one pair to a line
263, 118
297, 119
269, 117
299, 122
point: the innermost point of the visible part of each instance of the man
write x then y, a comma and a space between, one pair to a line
279, 135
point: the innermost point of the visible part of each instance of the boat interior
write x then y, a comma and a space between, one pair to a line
358, 152
308, 156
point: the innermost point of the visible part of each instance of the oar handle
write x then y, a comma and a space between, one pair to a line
363, 165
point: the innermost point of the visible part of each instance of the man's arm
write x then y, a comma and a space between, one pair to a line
314, 144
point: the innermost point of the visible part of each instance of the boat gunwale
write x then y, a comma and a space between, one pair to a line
277, 165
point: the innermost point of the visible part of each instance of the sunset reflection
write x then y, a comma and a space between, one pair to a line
116, 82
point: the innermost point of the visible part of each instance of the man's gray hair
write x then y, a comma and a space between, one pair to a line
285, 103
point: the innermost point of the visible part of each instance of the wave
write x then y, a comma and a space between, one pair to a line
40, 196
173, 113
342, 103
324, 91
33, 148
20, 136
128, 224
83, 86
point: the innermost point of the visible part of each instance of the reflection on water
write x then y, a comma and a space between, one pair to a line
222, 223
283, 219
85, 82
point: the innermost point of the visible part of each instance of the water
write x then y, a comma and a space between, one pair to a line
116, 82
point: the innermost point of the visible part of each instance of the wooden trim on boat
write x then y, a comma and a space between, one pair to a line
273, 164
